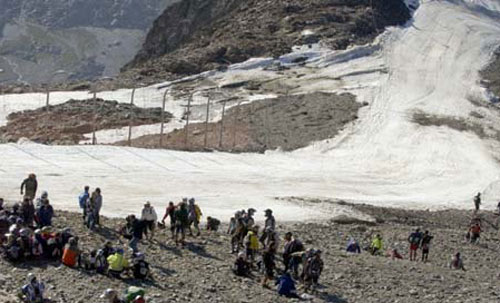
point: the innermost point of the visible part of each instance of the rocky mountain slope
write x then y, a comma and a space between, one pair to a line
85, 38
197, 35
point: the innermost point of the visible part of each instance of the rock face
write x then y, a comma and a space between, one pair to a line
196, 35
85, 38
67, 123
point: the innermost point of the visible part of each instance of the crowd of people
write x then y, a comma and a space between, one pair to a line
26, 233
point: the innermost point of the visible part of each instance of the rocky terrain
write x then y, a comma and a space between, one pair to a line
286, 122
491, 76
86, 38
192, 36
201, 271
66, 123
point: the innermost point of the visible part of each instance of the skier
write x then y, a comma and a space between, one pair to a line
426, 243
170, 212
149, 217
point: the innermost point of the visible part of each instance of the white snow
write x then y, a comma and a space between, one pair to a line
384, 158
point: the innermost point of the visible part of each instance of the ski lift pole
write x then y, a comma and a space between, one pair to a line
163, 116
130, 118
222, 124
94, 139
186, 130
206, 121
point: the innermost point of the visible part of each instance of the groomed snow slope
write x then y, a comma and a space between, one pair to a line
384, 158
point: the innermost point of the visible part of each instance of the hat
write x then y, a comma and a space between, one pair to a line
108, 293
139, 256
191, 201
268, 211
251, 210
148, 204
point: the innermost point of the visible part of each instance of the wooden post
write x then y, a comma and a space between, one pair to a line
206, 121
130, 118
163, 116
186, 130
236, 114
222, 124
94, 139
48, 98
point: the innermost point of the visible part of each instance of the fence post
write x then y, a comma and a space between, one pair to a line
186, 130
163, 116
222, 123
130, 118
206, 121
94, 139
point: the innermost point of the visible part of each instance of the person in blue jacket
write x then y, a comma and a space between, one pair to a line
82, 201
45, 214
353, 246
286, 286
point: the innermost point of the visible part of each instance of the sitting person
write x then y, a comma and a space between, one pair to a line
117, 264
101, 262
33, 291
353, 246
140, 267
286, 286
394, 254
241, 266
71, 254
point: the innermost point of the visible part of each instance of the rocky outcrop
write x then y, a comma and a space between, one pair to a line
197, 35
66, 123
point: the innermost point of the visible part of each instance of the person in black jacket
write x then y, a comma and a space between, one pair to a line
136, 230
29, 187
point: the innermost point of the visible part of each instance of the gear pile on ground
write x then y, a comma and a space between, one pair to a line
66, 123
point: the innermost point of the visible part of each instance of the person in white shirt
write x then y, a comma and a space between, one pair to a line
149, 218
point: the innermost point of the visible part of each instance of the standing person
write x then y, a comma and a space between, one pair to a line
290, 260
45, 214
252, 246
90, 212
29, 187
28, 212
194, 217
269, 226
149, 217
135, 230
268, 257
313, 268
169, 212
477, 201
426, 243
249, 220
457, 262
414, 240
82, 202
181, 223
97, 204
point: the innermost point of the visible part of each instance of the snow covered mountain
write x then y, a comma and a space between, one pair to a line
428, 138
86, 38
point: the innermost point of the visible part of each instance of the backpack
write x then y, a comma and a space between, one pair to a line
133, 292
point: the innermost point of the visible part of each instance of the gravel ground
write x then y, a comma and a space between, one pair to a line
201, 271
